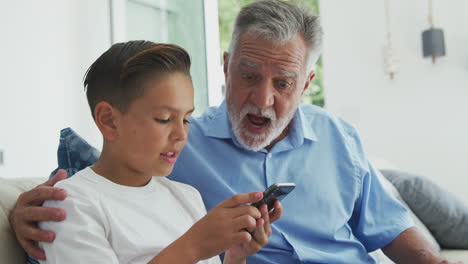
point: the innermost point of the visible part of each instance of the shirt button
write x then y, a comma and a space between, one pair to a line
269, 156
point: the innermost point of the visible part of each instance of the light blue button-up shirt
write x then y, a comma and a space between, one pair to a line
339, 210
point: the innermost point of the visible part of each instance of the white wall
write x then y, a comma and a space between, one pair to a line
46, 47
419, 120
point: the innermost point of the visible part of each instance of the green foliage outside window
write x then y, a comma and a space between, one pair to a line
228, 10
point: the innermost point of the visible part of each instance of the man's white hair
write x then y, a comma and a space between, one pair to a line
279, 21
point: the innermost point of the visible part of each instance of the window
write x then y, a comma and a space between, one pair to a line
179, 22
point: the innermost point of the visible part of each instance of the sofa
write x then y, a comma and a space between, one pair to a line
12, 253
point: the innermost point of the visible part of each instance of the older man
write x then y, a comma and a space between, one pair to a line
261, 135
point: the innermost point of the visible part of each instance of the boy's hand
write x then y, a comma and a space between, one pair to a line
28, 211
239, 253
224, 226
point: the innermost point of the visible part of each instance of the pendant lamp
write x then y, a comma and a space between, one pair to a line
433, 39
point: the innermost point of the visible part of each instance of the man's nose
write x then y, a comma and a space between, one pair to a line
262, 96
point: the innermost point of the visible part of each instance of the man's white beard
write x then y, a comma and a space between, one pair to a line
256, 141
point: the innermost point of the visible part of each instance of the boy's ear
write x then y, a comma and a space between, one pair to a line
106, 120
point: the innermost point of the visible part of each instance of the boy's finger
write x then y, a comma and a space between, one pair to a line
277, 212
245, 210
240, 199
260, 235
244, 222
266, 218
242, 237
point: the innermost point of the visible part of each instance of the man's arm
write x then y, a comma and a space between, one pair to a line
28, 211
411, 247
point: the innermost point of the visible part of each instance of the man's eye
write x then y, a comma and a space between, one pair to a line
284, 84
162, 121
186, 121
247, 76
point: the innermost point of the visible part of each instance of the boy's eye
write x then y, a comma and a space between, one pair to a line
165, 121
162, 121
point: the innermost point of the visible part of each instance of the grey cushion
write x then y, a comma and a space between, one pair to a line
388, 186
443, 214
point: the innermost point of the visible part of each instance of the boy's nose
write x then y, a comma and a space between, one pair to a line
180, 132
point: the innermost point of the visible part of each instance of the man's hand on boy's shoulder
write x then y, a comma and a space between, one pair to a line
28, 211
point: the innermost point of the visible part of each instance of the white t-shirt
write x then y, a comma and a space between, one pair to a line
111, 223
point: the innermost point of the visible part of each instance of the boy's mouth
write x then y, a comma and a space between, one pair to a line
170, 156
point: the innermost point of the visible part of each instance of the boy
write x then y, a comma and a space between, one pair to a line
141, 97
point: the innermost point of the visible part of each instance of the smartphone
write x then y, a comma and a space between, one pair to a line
276, 192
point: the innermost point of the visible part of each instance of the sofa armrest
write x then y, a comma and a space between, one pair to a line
455, 254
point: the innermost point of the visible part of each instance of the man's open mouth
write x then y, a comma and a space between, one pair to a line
258, 121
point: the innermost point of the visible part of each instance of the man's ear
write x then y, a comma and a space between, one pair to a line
106, 118
226, 64
308, 81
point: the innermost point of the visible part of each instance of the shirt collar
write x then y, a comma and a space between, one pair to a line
300, 130
218, 126
304, 125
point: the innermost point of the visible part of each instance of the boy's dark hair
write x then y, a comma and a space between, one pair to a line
118, 75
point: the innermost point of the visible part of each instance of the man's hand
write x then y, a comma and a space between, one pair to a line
239, 253
411, 247
28, 211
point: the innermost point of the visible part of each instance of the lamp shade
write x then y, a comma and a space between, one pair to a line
433, 43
